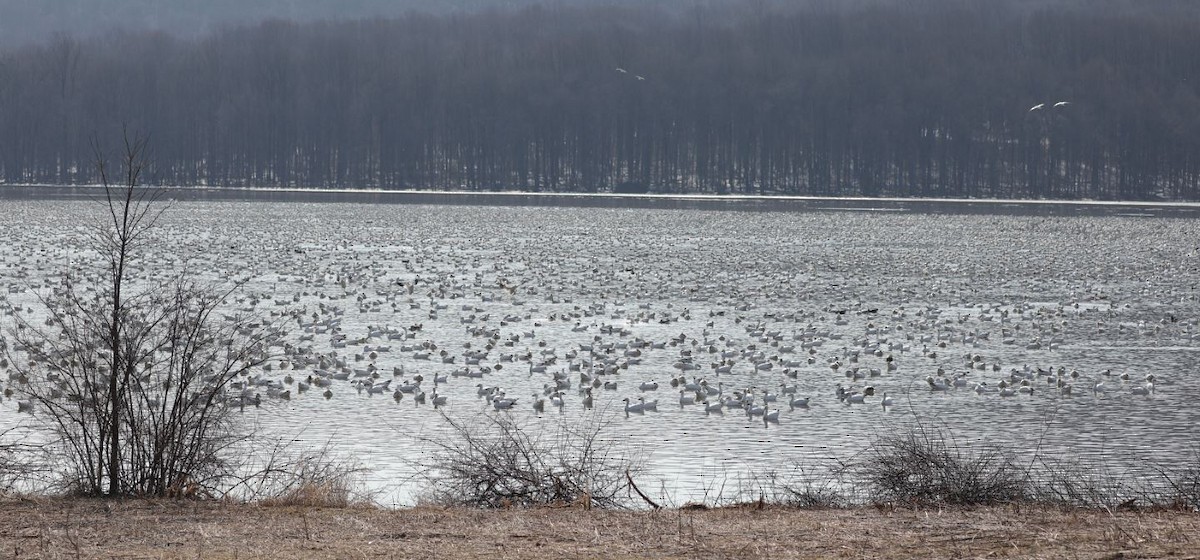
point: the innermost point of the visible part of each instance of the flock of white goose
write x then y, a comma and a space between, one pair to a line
754, 317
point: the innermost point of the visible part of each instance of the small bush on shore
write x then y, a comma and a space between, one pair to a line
500, 463
921, 467
798, 486
315, 484
1068, 482
813, 492
304, 478
1184, 483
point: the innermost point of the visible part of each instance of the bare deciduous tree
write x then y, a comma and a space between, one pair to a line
132, 377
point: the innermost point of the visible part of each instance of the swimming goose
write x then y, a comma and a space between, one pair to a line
503, 403
798, 402
936, 385
633, 408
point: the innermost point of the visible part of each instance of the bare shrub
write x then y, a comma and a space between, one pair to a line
497, 462
796, 486
812, 488
283, 475
131, 379
920, 467
1183, 482
21, 462
1072, 483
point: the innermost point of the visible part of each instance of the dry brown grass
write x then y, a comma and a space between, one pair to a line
141, 529
313, 495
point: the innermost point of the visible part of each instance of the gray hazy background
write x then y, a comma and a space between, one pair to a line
31, 21
1043, 99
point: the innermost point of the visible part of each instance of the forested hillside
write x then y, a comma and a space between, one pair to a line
929, 98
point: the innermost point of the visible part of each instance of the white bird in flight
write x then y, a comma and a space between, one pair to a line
1041, 106
622, 70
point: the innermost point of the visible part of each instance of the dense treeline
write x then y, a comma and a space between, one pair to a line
27, 21
921, 99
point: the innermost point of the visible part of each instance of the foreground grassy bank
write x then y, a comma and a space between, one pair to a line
69, 528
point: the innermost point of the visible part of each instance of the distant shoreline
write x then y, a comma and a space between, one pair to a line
647, 201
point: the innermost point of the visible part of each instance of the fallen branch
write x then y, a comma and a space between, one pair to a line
629, 478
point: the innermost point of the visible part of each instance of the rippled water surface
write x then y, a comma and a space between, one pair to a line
818, 299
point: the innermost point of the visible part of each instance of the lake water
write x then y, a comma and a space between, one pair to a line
975, 290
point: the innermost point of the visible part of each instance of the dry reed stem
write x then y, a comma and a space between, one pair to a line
98, 529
